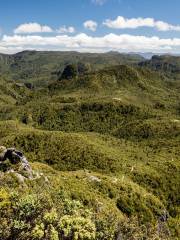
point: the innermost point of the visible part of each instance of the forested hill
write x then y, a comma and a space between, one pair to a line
166, 63
40, 67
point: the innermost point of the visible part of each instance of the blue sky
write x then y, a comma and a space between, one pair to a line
90, 25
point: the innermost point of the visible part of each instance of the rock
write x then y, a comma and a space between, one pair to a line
16, 158
115, 180
94, 179
20, 177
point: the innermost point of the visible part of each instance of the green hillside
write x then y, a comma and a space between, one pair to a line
41, 67
103, 144
169, 65
133, 167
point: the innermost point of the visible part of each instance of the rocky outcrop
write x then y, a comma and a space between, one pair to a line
12, 160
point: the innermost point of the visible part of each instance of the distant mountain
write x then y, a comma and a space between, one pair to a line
40, 67
149, 55
145, 55
165, 63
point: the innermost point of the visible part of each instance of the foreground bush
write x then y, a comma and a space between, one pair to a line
36, 217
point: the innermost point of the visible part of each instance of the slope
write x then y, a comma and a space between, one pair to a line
41, 67
139, 162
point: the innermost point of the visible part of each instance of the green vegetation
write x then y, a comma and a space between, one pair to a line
103, 141
164, 63
70, 71
41, 68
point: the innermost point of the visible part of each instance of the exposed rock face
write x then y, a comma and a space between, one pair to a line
13, 162
16, 157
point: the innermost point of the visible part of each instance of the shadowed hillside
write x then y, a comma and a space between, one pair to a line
166, 63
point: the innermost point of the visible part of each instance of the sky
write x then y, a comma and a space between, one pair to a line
90, 25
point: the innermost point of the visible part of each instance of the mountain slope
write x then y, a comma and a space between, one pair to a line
165, 63
103, 154
40, 67
103, 145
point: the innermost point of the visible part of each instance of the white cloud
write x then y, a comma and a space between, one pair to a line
83, 42
122, 23
65, 29
91, 25
32, 28
98, 2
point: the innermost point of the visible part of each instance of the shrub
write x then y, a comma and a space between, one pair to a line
69, 72
77, 228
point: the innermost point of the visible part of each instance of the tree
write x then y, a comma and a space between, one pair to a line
70, 71
83, 67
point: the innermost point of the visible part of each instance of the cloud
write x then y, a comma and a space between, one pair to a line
98, 2
32, 28
122, 23
91, 25
65, 29
82, 42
